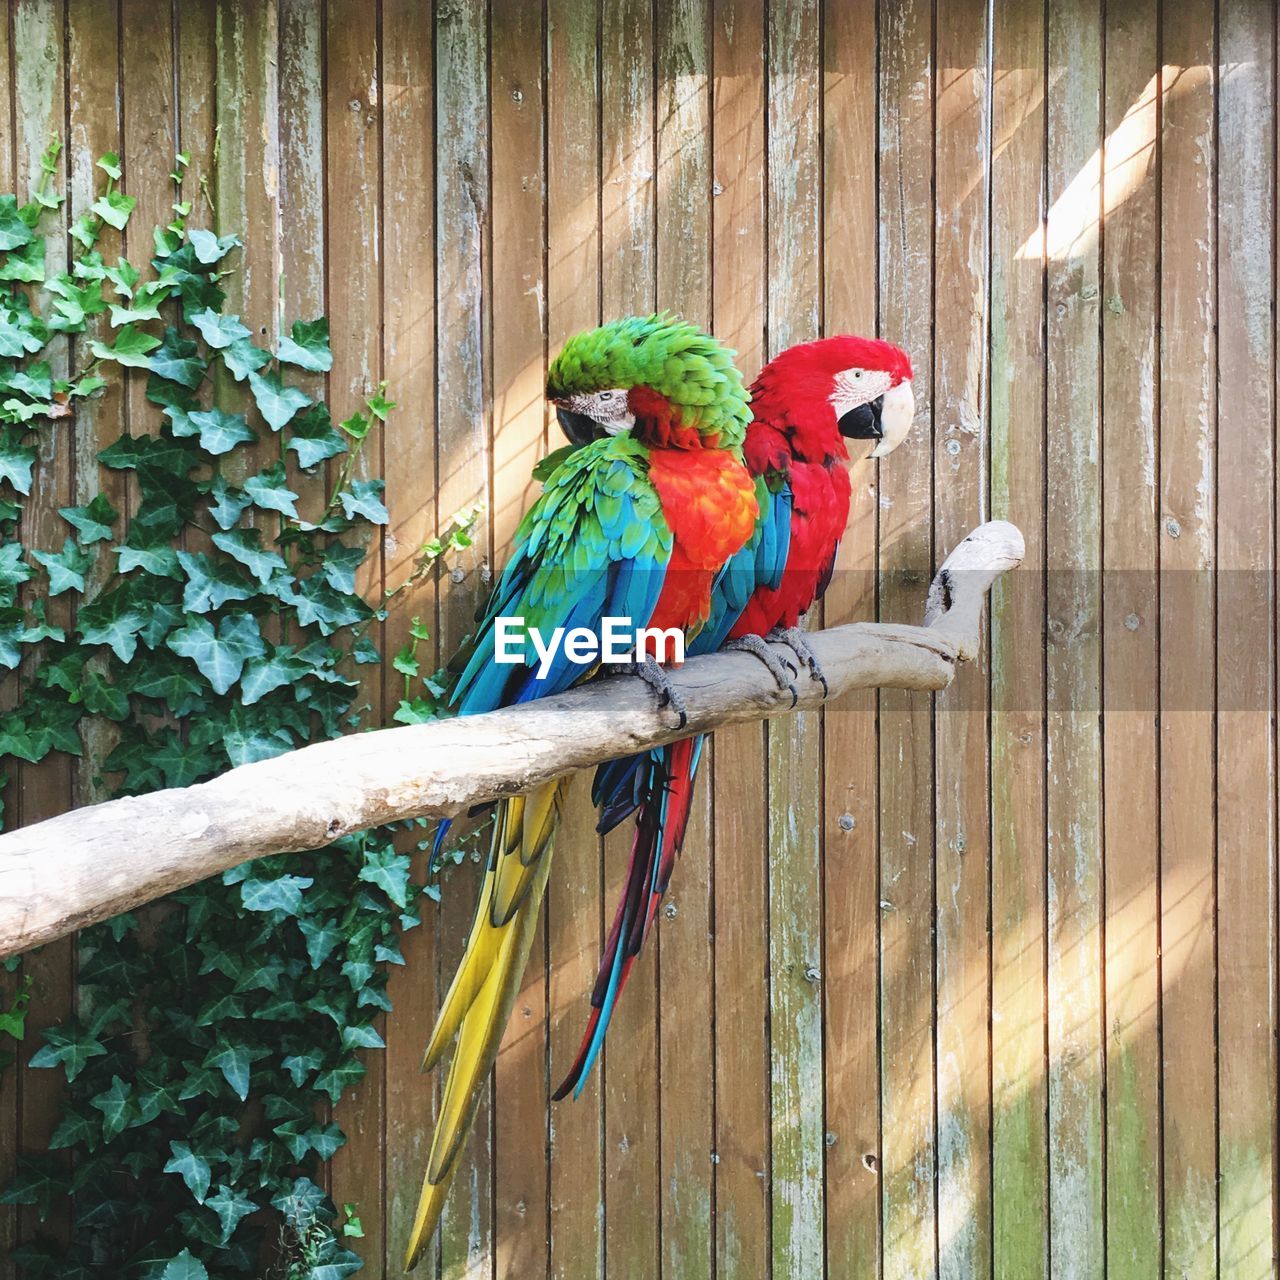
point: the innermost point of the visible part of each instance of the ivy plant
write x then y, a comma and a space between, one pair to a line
212, 619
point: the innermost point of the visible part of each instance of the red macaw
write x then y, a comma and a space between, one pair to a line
636, 524
806, 403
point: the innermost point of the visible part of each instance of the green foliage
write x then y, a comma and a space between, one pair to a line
207, 617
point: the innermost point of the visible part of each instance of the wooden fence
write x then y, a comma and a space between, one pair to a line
980, 985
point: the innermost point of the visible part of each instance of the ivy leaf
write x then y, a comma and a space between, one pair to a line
230, 1206
116, 1105
388, 870
314, 601
14, 232
337, 1079
219, 432
364, 499
242, 358
313, 438
379, 405
308, 348
178, 360
340, 565
146, 309
247, 741
37, 1182
235, 1062
92, 523
123, 276
283, 893
114, 208
276, 402
301, 1065
156, 558
364, 1036
268, 491
211, 583
219, 331
26, 264
131, 348
69, 1047
76, 1129
221, 655
322, 936
16, 461
228, 502
245, 545
14, 570
266, 675
210, 248
184, 1266
301, 1136
112, 620
66, 568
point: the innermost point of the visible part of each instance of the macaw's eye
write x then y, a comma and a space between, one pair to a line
857, 373
606, 395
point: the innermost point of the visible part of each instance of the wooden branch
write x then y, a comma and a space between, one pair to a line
95, 862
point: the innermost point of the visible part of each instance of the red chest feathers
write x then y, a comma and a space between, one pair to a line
709, 502
821, 510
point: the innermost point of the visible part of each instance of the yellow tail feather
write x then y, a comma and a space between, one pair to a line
485, 986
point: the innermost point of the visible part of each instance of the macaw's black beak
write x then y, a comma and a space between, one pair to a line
577, 426
863, 423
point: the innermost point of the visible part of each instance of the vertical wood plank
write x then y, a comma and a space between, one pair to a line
741, 912
462, 473
851, 914
683, 937
39, 37
908, 1136
10, 792
195, 23
1130, 657
961, 841
150, 145
575, 1209
1246, 226
1019, 1173
94, 127
1187, 515
1072, 537
519, 325
245, 188
628, 193
794, 757
409, 343
353, 192
302, 201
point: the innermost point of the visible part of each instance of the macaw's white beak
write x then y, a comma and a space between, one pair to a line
896, 415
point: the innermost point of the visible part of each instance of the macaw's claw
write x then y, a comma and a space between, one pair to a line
657, 679
779, 668
794, 639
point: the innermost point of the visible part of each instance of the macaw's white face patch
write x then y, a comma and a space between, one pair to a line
608, 409
856, 387
869, 405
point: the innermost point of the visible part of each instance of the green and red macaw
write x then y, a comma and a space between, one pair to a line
806, 404
636, 524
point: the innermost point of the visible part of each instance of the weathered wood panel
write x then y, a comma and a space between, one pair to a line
981, 988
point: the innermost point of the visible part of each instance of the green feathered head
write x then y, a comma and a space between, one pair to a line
654, 376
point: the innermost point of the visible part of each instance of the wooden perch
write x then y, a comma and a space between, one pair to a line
96, 862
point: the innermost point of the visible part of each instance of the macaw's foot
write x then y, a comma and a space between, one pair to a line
657, 679
781, 670
794, 639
